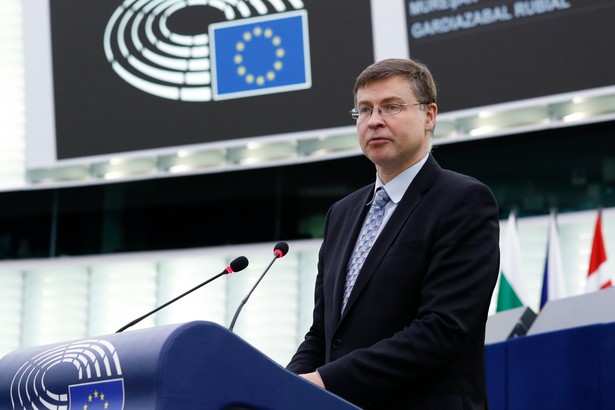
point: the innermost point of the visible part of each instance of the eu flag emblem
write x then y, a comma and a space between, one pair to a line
107, 394
262, 55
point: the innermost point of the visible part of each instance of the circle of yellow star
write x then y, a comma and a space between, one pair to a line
238, 59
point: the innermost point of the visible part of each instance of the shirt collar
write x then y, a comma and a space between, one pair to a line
396, 188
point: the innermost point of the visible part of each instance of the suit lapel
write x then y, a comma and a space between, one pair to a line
396, 222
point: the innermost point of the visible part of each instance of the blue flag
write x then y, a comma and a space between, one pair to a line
553, 286
262, 55
107, 394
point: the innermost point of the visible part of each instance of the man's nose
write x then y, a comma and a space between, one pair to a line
376, 117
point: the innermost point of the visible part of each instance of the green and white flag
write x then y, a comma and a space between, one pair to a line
510, 293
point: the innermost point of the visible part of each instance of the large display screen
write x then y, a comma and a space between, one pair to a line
145, 74
125, 76
485, 52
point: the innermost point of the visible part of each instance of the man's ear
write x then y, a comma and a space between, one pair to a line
431, 111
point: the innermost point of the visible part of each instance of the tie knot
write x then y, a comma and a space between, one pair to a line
381, 198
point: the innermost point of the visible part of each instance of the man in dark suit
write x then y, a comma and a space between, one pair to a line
407, 331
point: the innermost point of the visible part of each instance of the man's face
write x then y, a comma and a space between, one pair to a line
394, 142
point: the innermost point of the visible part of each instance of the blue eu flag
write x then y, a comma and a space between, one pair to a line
107, 394
262, 55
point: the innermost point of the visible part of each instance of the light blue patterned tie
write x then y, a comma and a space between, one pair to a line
365, 242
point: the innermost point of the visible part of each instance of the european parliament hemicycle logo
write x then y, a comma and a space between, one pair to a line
93, 366
261, 48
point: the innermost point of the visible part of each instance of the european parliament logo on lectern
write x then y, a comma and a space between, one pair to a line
93, 366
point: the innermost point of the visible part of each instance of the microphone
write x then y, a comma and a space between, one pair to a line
237, 264
280, 249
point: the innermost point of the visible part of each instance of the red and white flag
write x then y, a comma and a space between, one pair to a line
599, 275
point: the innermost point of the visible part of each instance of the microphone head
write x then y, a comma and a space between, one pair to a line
280, 249
238, 264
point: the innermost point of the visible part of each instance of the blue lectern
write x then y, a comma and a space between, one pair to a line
196, 365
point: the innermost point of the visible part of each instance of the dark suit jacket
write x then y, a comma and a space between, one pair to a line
412, 335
